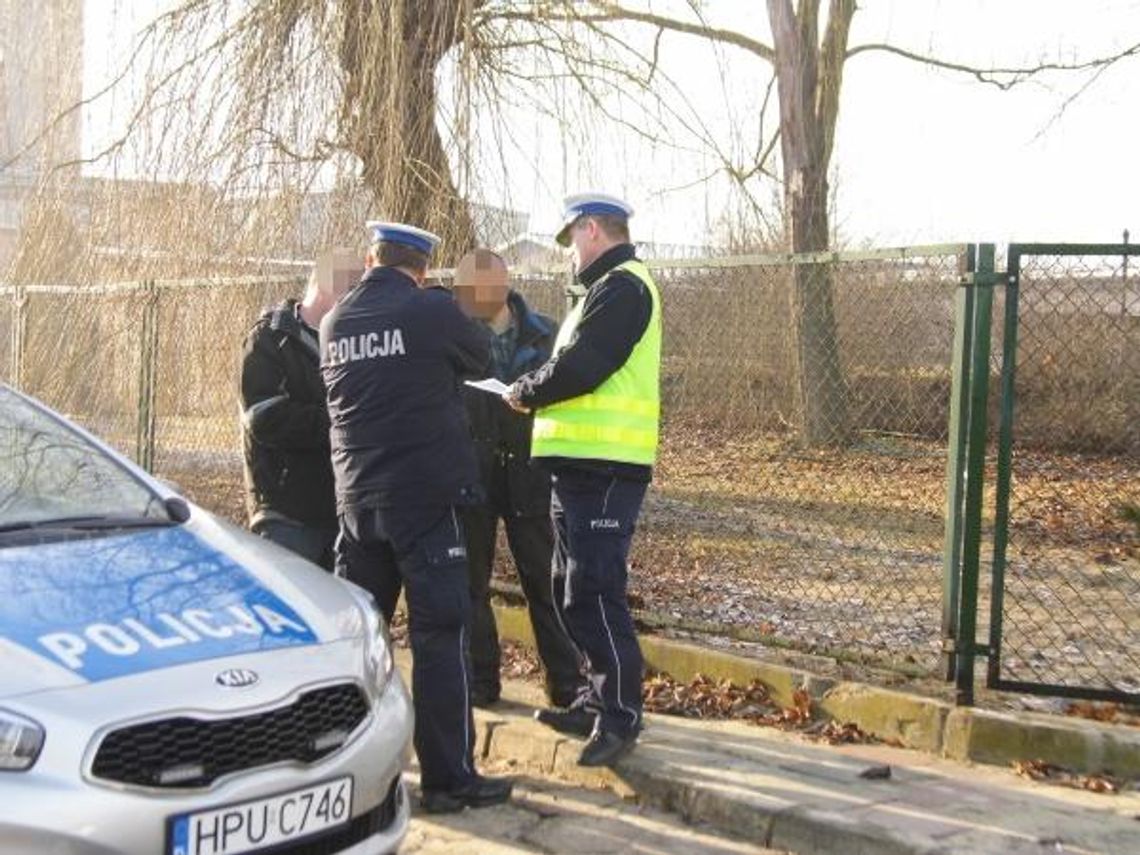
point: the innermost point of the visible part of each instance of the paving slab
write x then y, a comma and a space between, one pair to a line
779, 790
549, 817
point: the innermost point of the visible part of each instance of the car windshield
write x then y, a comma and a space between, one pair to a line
49, 474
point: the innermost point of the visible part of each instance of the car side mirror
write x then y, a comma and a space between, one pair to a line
177, 508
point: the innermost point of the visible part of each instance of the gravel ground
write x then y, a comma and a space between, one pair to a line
835, 557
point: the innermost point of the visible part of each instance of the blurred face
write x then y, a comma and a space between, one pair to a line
481, 284
334, 274
338, 271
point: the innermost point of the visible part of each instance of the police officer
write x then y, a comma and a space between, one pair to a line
392, 353
284, 421
597, 406
517, 492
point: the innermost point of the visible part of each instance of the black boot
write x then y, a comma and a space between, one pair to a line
573, 721
562, 693
476, 793
605, 748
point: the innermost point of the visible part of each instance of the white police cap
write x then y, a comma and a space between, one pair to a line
583, 204
419, 239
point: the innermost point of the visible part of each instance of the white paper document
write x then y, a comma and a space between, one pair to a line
492, 385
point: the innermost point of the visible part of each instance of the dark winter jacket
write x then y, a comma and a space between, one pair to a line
284, 421
502, 435
393, 356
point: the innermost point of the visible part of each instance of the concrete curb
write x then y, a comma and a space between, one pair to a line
743, 812
528, 746
926, 724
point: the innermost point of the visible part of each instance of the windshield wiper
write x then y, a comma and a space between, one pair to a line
90, 522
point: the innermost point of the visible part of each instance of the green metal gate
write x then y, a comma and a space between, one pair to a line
1065, 598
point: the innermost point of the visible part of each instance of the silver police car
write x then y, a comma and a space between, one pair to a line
171, 684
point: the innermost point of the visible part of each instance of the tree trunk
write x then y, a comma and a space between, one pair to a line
807, 123
389, 54
820, 384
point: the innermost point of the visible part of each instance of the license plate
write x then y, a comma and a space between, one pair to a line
256, 825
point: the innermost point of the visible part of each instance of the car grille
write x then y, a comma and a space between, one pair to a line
192, 752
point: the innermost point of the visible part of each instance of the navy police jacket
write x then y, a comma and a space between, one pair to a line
392, 357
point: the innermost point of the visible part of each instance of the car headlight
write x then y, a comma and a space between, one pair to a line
378, 662
20, 742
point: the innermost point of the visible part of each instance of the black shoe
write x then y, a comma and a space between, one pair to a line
575, 721
605, 747
477, 793
562, 697
567, 694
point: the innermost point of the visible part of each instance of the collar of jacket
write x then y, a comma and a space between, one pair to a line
283, 318
606, 262
388, 276
532, 326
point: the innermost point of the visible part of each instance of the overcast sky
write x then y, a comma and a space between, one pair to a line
921, 155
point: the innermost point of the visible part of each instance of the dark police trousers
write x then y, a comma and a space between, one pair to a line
532, 543
594, 517
423, 551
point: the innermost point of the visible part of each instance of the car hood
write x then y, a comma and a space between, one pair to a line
101, 608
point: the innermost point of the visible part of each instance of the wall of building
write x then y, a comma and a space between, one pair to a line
41, 74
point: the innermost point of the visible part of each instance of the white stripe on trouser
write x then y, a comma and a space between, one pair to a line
463, 668
606, 497
558, 607
617, 662
466, 706
559, 603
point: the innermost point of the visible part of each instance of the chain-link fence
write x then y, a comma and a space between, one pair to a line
1067, 612
151, 367
800, 497
833, 545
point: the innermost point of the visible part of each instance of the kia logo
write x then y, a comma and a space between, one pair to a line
236, 678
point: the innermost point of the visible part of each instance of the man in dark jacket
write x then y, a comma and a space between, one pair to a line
392, 356
285, 426
517, 492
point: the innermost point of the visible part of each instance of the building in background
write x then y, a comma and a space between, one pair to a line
41, 74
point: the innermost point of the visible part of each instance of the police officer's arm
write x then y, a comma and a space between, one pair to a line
268, 413
614, 318
469, 342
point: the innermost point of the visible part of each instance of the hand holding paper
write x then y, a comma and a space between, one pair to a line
497, 387
491, 384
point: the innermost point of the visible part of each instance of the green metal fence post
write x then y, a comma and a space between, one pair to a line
967, 643
148, 375
956, 457
1004, 462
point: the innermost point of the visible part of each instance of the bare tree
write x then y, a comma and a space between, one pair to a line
262, 99
810, 74
389, 53
259, 99
807, 56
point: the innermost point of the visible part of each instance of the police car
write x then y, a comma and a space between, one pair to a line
172, 684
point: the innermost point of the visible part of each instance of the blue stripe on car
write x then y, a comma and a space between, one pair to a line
111, 606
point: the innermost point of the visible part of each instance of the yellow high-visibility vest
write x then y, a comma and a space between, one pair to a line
619, 420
